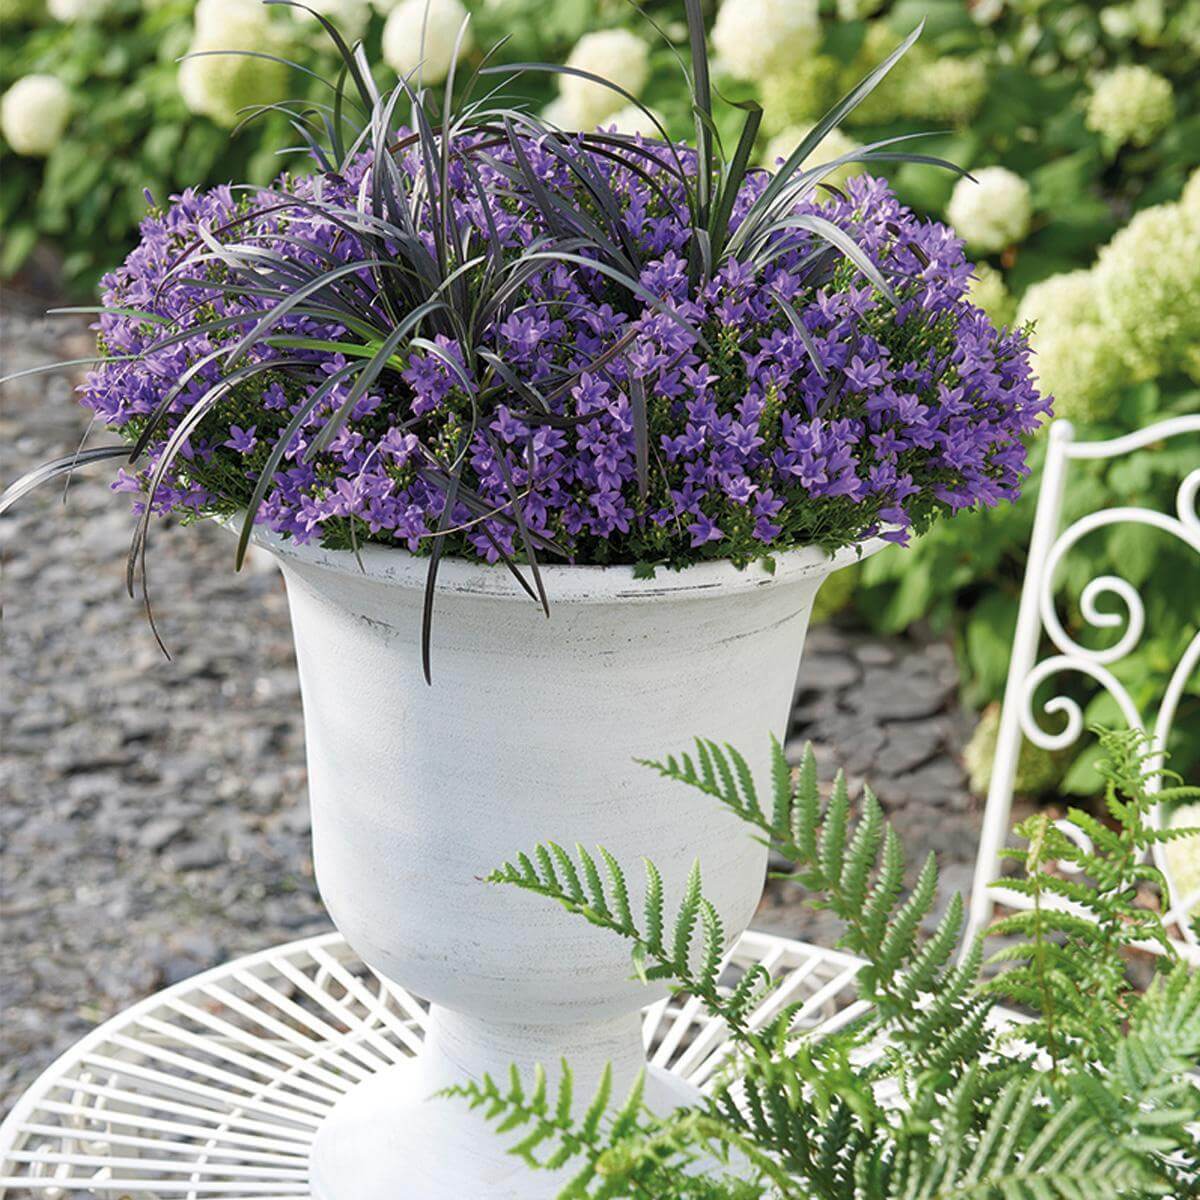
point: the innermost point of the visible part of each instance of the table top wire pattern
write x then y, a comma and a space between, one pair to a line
214, 1088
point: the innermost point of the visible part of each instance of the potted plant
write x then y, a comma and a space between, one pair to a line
474, 372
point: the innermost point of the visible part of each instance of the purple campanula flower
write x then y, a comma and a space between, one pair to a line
910, 410
241, 440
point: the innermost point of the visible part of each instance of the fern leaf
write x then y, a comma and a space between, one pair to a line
654, 910
571, 882
901, 935
863, 852
781, 790
599, 1105
689, 911
831, 843
620, 891
751, 809
806, 807
595, 885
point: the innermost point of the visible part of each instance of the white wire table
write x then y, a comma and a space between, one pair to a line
214, 1088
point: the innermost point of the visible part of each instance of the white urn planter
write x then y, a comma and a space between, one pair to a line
528, 733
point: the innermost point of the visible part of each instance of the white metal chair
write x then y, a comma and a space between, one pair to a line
1038, 625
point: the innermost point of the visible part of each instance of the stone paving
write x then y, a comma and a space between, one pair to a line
153, 820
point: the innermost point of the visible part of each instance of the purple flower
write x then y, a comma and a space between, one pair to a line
917, 409
241, 440
704, 529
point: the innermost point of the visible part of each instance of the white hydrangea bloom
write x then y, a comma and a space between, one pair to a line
833, 145
423, 33
949, 88
212, 18
1131, 105
617, 55
1077, 366
69, 12
993, 213
349, 16
219, 85
754, 38
1073, 355
557, 113
34, 114
631, 121
1068, 299
1147, 281
989, 292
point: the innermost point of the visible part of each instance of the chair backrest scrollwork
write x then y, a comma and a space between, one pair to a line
1039, 625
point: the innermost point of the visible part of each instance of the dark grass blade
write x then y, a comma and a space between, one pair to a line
833, 117
701, 104
107, 310
55, 469
265, 477
797, 323
839, 238
367, 93
435, 557
641, 433
46, 368
731, 184
526, 391
287, 62
518, 517
563, 69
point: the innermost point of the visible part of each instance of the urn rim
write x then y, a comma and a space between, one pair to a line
564, 582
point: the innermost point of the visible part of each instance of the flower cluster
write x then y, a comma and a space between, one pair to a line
1075, 354
616, 55
220, 79
424, 34
34, 112
871, 418
1131, 105
993, 211
1127, 318
1147, 280
754, 38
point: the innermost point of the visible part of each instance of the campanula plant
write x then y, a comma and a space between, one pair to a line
473, 333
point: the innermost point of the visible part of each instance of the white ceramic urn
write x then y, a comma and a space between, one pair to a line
528, 733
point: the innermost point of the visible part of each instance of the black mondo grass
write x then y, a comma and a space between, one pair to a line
422, 281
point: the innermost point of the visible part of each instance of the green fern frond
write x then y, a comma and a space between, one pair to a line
919, 1097
696, 951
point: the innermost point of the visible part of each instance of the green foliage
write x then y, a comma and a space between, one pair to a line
130, 132
924, 1095
1069, 963
1092, 165
964, 577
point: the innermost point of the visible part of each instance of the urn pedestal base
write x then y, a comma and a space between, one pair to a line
395, 1138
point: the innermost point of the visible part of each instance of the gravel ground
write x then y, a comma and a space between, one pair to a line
154, 821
